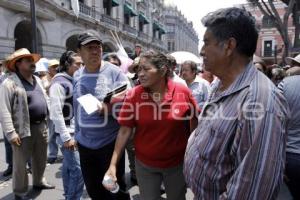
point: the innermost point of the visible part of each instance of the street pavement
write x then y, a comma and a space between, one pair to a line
53, 176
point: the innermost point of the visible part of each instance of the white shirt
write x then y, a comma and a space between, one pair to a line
177, 79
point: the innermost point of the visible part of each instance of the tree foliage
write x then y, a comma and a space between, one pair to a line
267, 7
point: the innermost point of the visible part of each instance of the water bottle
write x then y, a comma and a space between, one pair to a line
109, 182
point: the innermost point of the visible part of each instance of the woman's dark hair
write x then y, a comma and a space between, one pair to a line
159, 60
66, 60
172, 61
114, 57
234, 23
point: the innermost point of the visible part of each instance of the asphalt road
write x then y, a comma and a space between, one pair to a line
53, 175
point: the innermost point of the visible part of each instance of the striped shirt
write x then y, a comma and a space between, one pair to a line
238, 149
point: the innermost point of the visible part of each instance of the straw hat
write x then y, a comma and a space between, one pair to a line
53, 62
20, 53
289, 60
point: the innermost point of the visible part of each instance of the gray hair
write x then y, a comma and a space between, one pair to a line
192, 64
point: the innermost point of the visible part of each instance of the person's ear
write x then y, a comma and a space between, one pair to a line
230, 46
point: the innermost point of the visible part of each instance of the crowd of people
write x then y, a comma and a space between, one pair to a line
230, 131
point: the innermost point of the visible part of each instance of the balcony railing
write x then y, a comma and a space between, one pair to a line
269, 53
84, 9
89, 11
129, 29
143, 36
109, 20
171, 35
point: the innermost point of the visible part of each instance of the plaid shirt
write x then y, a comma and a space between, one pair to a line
238, 149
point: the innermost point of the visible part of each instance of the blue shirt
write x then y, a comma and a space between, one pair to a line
199, 90
289, 88
37, 105
95, 130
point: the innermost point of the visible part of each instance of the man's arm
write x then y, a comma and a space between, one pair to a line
57, 99
259, 155
6, 112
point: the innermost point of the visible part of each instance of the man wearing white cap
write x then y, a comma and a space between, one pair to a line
52, 146
23, 113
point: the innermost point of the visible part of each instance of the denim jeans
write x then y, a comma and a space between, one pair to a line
71, 175
52, 145
293, 173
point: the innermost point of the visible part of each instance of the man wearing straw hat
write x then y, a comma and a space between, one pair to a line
23, 112
295, 65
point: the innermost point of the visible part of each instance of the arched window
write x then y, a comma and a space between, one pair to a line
23, 37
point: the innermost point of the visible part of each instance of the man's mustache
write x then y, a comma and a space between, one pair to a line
32, 67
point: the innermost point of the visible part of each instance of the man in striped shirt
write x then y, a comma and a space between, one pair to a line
237, 151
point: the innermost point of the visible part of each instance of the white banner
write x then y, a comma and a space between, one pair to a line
75, 7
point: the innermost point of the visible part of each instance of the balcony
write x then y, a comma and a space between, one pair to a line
171, 35
129, 29
156, 41
268, 53
84, 9
108, 20
143, 36
89, 11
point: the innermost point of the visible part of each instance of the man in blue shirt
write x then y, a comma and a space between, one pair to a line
288, 88
96, 133
197, 85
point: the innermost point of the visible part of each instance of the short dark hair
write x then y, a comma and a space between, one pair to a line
114, 57
66, 60
233, 22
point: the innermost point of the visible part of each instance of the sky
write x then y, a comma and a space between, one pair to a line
194, 10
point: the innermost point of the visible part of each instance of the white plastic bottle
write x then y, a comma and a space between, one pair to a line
108, 182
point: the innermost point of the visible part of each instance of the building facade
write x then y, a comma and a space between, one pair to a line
180, 33
135, 21
270, 44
